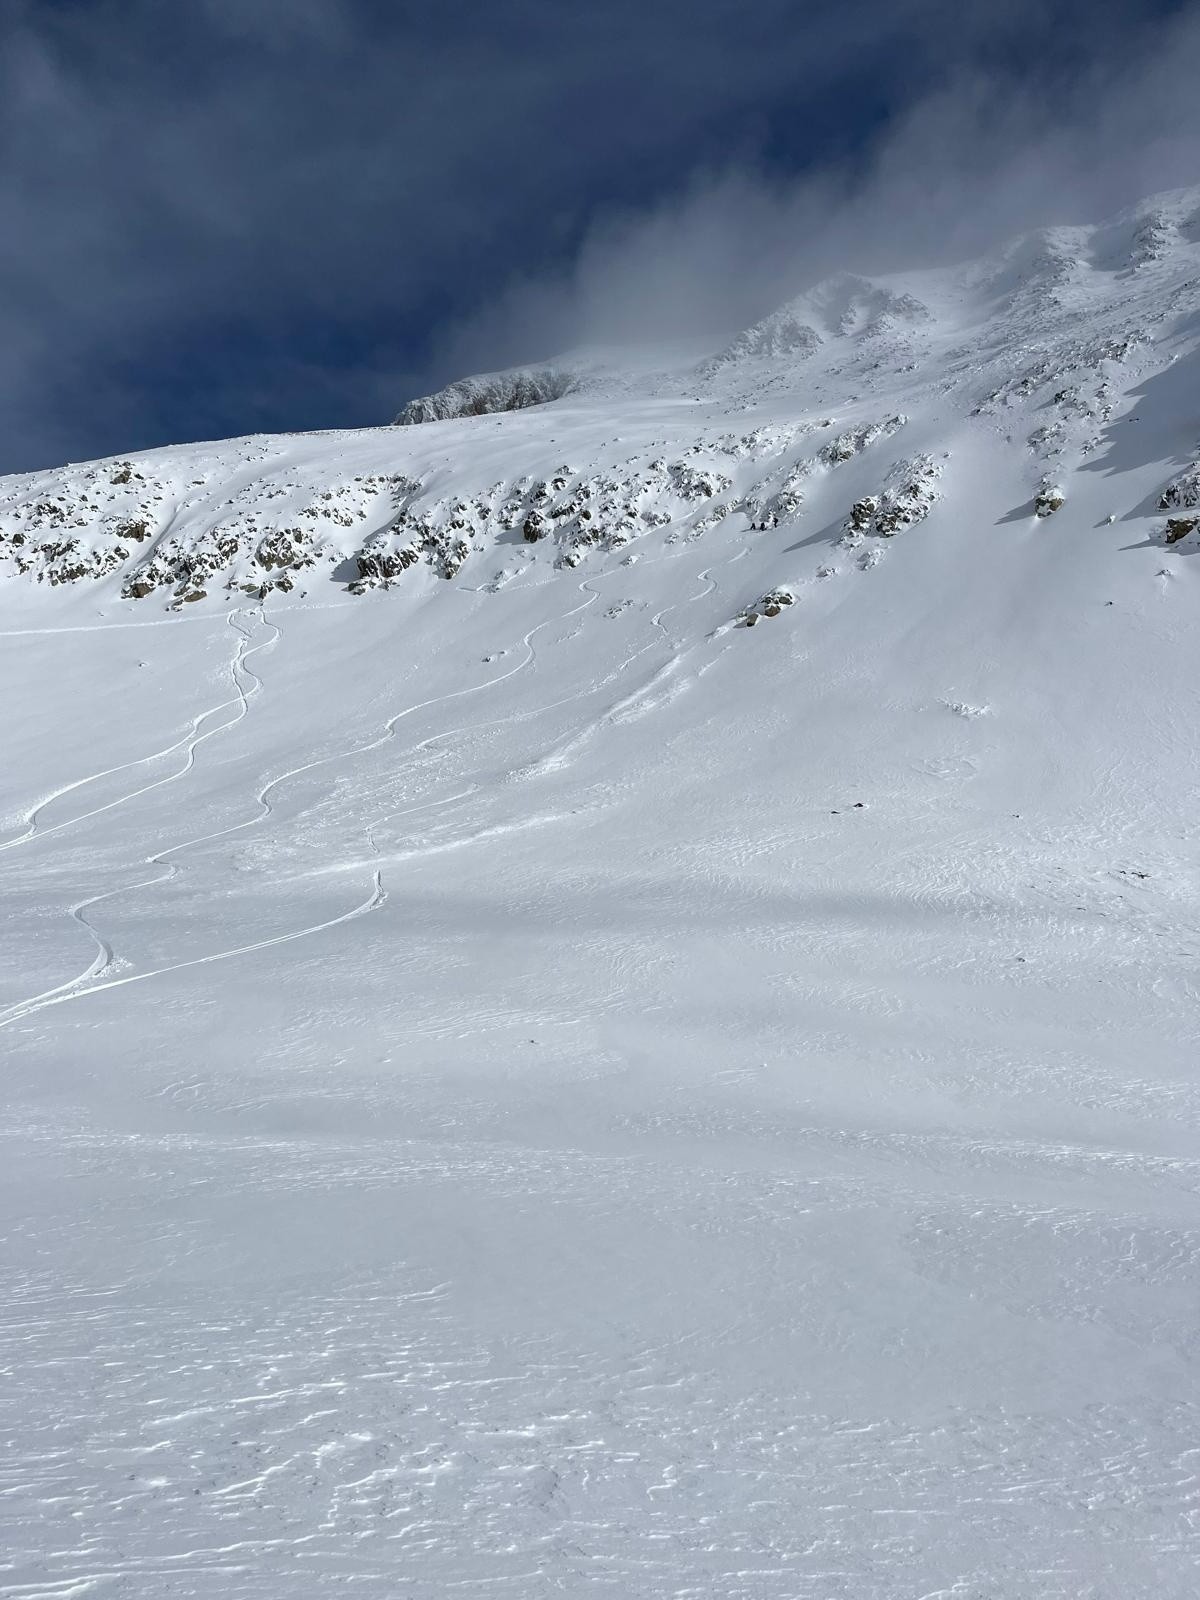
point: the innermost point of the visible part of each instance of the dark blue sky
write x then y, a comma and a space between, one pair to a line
229, 215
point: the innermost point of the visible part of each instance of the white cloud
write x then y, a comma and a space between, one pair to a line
964, 169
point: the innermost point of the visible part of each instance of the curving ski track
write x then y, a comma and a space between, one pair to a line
80, 989
85, 983
191, 741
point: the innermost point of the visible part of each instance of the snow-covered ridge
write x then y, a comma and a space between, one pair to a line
1038, 345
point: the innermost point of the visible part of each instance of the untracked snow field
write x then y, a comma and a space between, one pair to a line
531, 1088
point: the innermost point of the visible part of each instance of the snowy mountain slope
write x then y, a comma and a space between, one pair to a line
517, 1079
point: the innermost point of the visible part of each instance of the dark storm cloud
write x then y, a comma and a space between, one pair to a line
233, 214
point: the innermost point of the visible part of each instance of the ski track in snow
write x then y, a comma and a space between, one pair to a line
88, 982
105, 957
190, 742
80, 988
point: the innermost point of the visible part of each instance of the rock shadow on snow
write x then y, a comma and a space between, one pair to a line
1165, 427
346, 572
1025, 512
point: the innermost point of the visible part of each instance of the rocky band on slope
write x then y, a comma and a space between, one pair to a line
841, 413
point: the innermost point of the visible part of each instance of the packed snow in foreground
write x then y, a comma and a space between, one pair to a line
601, 999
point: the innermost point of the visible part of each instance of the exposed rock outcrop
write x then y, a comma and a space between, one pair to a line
769, 605
1051, 497
488, 393
1179, 528
907, 498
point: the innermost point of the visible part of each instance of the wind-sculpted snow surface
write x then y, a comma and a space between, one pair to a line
602, 1000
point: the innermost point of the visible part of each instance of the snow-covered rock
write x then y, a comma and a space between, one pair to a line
1183, 491
906, 498
1051, 497
782, 335
489, 393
